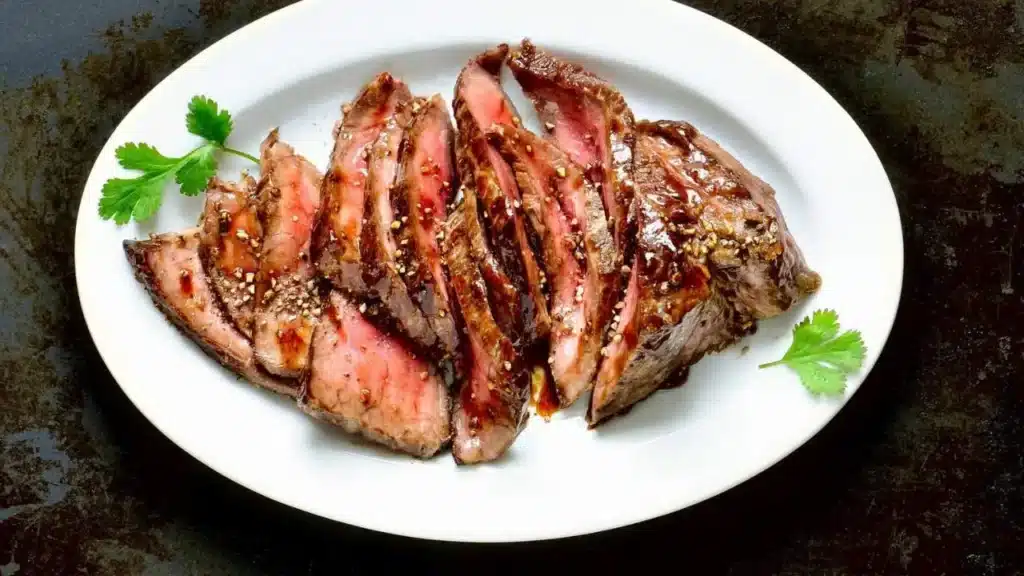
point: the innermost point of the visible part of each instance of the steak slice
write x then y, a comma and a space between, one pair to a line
755, 260
590, 120
671, 314
287, 305
230, 240
480, 103
380, 249
565, 211
337, 243
170, 268
368, 383
423, 188
490, 410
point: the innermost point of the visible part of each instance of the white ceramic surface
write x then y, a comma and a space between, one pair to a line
293, 69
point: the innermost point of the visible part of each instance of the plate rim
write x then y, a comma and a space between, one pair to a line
669, 9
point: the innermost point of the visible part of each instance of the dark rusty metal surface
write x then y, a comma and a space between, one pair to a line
923, 473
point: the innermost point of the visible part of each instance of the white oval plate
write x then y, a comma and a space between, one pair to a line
728, 423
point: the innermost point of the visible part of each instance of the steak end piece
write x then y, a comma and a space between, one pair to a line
754, 258
170, 268
423, 189
287, 304
671, 314
230, 243
713, 256
590, 120
481, 104
368, 383
490, 409
338, 238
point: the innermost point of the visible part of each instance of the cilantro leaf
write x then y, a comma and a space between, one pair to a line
124, 199
205, 119
821, 356
197, 170
143, 157
139, 198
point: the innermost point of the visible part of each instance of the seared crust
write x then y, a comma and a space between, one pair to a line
229, 246
565, 212
755, 260
481, 167
490, 409
287, 306
336, 244
563, 93
713, 256
423, 189
220, 340
380, 266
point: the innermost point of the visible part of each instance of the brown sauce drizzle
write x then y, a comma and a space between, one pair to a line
542, 393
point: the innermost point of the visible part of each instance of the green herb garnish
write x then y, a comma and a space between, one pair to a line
139, 198
821, 356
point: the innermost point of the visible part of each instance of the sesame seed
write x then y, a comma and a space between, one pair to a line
405, 219
423, 375
311, 284
398, 253
560, 171
251, 289
241, 234
605, 352
624, 269
549, 125
529, 149
620, 306
551, 359
617, 338
508, 365
442, 313
249, 277
238, 273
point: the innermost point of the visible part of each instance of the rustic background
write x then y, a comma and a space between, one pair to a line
923, 473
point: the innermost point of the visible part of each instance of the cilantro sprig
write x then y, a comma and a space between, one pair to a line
139, 198
821, 356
